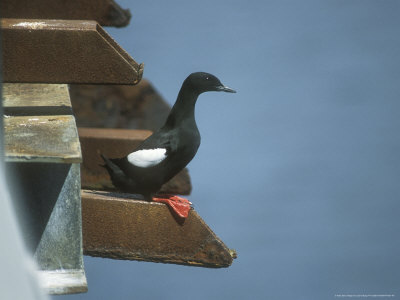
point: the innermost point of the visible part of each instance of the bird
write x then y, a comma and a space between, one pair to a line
168, 150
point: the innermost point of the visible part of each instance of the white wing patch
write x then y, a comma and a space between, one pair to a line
147, 157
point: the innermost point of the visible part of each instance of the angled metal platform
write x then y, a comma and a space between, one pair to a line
119, 226
64, 51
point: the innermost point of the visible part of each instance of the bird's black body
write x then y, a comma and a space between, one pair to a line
179, 138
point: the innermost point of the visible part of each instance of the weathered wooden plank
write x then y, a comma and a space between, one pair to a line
64, 51
41, 139
105, 12
116, 226
36, 99
117, 143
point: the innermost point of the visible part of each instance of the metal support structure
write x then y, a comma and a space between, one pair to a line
40, 56
43, 162
64, 51
105, 12
117, 226
119, 106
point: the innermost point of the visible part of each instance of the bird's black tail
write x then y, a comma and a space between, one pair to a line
118, 177
105, 159
111, 167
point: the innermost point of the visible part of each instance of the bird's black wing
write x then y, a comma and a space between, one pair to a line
162, 139
149, 153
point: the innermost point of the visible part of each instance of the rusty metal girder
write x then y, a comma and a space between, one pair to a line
117, 143
119, 106
116, 226
106, 12
64, 51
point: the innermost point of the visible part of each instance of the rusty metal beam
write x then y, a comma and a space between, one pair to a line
119, 106
64, 51
117, 143
116, 226
105, 12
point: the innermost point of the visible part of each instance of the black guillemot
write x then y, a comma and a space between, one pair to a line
167, 151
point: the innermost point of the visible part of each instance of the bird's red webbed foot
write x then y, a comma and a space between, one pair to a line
181, 206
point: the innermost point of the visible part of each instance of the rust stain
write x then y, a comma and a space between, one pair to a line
106, 12
117, 226
50, 51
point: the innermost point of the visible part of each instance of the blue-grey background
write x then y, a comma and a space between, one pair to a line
299, 171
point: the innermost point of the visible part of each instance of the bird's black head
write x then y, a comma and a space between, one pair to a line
206, 82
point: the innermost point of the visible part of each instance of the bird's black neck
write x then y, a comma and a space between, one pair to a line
183, 109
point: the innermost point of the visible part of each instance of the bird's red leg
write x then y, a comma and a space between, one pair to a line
181, 206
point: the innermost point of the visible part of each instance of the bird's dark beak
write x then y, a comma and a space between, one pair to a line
223, 88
